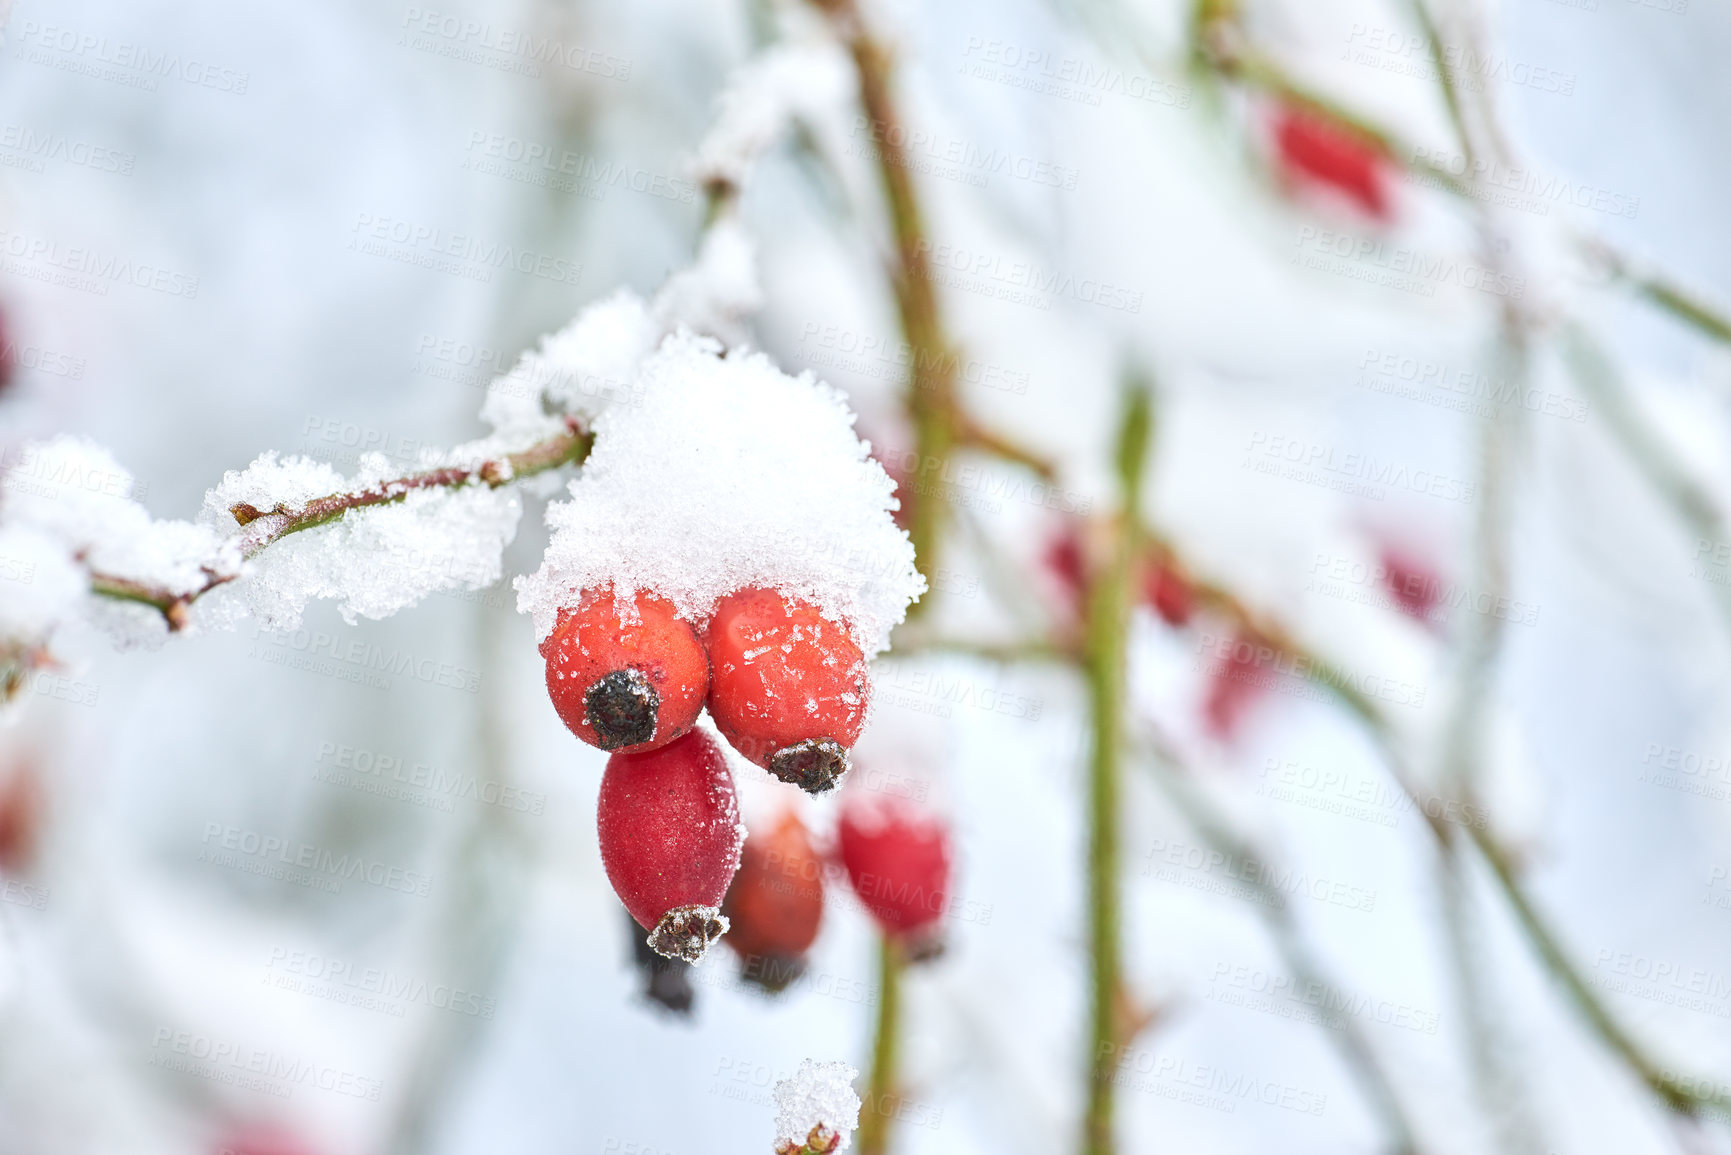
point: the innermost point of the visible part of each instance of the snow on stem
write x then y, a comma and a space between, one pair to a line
263, 527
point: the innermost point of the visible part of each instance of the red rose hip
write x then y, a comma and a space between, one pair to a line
625, 685
1317, 149
788, 688
775, 903
670, 839
897, 856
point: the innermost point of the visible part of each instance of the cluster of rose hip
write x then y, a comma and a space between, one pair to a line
788, 689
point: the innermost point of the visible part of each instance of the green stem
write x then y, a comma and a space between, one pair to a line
881, 1098
1109, 605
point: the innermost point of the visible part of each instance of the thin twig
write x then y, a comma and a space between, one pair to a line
1220, 47
1361, 1058
882, 1097
260, 528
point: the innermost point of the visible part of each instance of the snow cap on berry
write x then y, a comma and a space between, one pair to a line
729, 473
817, 1109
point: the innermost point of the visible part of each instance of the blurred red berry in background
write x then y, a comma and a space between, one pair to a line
897, 856
1315, 150
1169, 592
20, 818
8, 354
260, 1138
775, 904
1062, 560
1412, 582
1235, 684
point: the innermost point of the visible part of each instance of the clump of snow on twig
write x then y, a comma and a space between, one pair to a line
375, 560
818, 1094
40, 584
590, 365
68, 512
729, 474
805, 81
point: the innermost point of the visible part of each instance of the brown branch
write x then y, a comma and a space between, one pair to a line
932, 401
262, 527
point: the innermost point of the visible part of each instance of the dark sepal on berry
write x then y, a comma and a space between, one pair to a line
666, 981
622, 707
686, 932
822, 1141
814, 765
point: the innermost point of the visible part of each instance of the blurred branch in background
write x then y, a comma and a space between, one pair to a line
933, 406
1167, 768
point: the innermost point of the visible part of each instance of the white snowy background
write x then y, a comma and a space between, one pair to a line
301, 338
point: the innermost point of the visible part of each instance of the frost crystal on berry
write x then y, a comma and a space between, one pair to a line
817, 1109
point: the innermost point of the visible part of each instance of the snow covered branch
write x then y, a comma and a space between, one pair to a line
260, 528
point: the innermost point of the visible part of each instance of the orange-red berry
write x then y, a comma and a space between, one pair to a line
625, 685
670, 837
788, 688
775, 904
